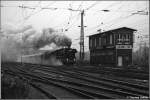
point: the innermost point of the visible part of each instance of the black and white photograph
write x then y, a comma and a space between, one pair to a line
74, 49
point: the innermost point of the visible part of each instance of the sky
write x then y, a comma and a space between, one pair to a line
120, 14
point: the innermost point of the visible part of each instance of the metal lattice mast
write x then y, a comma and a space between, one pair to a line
82, 38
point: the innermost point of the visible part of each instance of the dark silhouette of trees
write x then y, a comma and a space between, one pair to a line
141, 57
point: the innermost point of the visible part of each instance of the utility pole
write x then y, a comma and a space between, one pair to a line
82, 37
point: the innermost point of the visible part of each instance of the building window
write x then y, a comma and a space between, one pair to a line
104, 41
110, 38
127, 40
120, 38
117, 36
124, 37
95, 42
99, 41
90, 42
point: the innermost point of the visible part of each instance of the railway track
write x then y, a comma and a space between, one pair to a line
87, 73
118, 72
116, 81
126, 73
76, 90
78, 83
28, 80
112, 83
98, 71
36, 82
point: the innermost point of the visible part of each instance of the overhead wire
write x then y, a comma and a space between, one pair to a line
80, 6
41, 9
37, 5
114, 20
122, 18
70, 9
78, 9
73, 21
113, 4
70, 23
119, 20
23, 7
92, 5
95, 27
70, 17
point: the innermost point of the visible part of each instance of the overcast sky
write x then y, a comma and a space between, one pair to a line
120, 14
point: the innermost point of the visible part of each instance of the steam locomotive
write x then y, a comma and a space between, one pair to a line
64, 55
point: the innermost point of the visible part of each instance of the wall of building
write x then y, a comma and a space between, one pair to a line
103, 56
105, 48
126, 55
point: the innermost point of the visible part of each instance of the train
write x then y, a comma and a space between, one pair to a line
63, 56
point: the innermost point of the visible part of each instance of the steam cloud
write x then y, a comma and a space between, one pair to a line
49, 36
16, 41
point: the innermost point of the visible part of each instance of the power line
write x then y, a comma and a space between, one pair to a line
68, 23
118, 20
73, 22
114, 4
92, 5
35, 8
114, 20
32, 8
80, 6
42, 8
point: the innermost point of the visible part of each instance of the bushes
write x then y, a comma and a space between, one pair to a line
13, 87
141, 57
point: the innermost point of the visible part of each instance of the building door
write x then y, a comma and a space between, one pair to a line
119, 60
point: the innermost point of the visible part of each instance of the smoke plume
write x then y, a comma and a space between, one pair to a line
49, 36
17, 41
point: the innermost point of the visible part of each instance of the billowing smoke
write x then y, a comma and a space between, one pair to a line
49, 36
26, 40
10, 49
11, 41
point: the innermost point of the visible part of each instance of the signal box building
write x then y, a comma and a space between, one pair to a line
113, 47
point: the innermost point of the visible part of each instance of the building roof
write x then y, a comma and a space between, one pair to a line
114, 30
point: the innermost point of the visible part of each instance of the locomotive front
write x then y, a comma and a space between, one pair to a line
69, 56
66, 55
